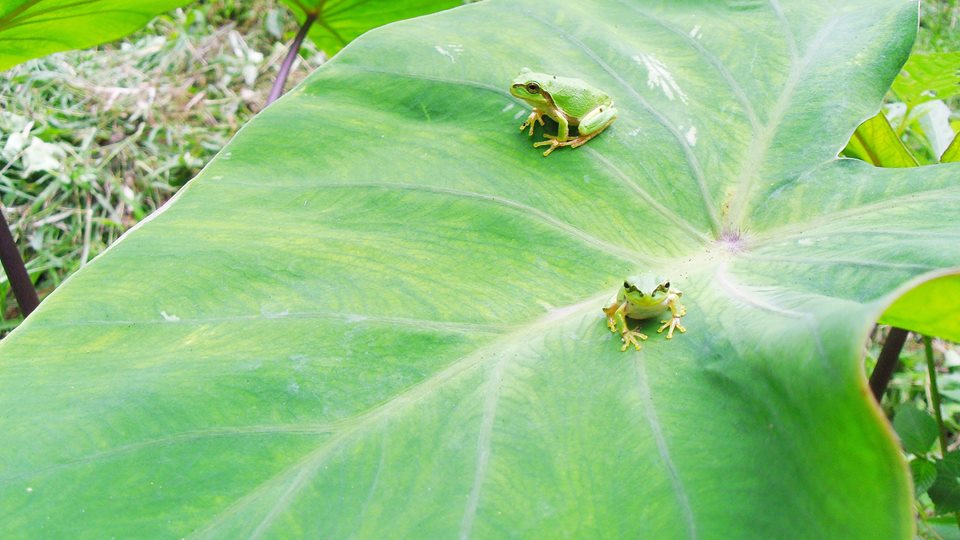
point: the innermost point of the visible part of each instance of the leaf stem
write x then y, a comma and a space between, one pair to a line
887, 361
277, 90
16, 271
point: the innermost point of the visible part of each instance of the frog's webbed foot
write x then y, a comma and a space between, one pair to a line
629, 337
555, 143
531, 122
672, 323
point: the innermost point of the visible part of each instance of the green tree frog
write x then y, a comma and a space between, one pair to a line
571, 102
643, 297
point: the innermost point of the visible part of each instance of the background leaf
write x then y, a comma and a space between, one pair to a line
35, 28
917, 429
927, 77
933, 119
377, 312
875, 142
952, 153
340, 21
945, 491
929, 308
924, 473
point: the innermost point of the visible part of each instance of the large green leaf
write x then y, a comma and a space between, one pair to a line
377, 312
339, 22
35, 28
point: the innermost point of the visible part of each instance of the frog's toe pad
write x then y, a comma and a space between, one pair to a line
630, 338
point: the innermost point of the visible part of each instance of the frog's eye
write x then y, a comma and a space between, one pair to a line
666, 285
533, 88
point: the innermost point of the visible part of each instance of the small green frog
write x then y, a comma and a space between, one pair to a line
641, 298
571, 102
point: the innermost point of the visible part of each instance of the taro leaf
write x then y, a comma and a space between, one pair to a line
339, 22
930, 307
35, 28
945, 491
917, 429
877, 143
952, 153
377, 312
928, 76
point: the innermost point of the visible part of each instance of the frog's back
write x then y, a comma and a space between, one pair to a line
581, 101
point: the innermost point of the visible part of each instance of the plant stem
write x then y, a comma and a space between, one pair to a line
277, 90
16, 271
935, 399
887, 361
935, 394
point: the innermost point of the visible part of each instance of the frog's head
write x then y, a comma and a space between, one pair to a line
646, 289
529, 86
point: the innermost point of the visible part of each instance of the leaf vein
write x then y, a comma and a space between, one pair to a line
311, 462
711, 58
691, 158
650, 414
558, 224
757, 152
484, 436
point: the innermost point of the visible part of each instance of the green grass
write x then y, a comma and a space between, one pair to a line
122, 126
939, 26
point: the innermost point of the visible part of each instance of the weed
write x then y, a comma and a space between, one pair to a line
93, 141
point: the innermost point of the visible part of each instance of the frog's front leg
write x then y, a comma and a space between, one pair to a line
611, 313
676, 311
616, 317
536, 115
561, 139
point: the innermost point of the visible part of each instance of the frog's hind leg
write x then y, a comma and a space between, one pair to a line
582, 140
593, 124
